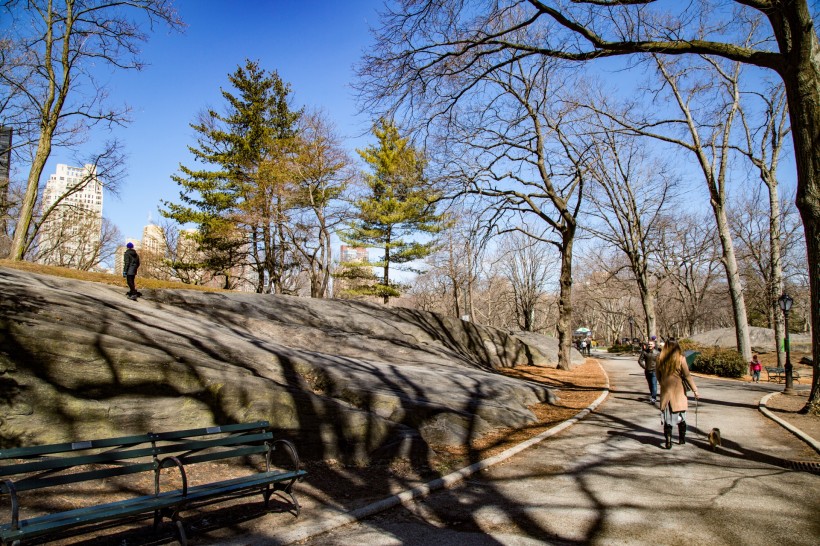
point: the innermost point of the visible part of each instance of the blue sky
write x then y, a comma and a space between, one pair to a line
311, 44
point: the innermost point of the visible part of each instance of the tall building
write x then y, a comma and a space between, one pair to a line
154, 253
353, 254
71, 233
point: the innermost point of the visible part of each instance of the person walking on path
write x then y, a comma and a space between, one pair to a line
130, 265
675, 379
754, 368
648, 360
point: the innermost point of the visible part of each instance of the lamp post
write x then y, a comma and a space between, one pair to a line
785, 301
631, 334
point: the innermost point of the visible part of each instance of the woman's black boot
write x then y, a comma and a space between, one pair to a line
682, 432
667, 433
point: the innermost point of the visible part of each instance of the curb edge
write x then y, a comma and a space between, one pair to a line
791, 428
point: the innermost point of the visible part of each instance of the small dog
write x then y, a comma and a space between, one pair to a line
714, 438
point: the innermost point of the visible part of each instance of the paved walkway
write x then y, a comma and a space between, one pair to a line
606, 480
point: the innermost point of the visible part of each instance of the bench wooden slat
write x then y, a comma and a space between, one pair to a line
199, 445
66, 447
220, 429
42, 482
54, 463
125, 441
57, 463
60, 521
52, 523
235, 485
236, 452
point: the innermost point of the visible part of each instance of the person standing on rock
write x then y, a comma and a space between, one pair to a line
648, 360
130, 265
674, 378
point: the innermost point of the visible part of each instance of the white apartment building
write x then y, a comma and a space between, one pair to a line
73, 201
353, 254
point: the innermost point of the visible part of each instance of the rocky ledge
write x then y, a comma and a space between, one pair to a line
345, 379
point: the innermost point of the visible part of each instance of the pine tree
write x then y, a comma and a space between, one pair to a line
237, 203
400, 203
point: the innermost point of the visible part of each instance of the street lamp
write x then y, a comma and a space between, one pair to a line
785, 301
631, 334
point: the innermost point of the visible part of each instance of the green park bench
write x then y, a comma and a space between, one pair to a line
690, 357
26, 472
778, 374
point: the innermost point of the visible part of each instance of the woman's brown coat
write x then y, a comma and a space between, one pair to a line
672, 387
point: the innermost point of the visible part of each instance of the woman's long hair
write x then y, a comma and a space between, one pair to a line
669, 358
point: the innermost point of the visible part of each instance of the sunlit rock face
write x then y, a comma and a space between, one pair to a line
346, 379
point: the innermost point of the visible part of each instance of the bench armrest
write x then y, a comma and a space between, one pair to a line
288, 446
176, 462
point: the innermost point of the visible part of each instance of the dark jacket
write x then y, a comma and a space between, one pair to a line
649, 359
130, 262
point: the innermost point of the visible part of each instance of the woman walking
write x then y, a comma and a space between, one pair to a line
674, 379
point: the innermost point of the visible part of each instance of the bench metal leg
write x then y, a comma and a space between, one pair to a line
266, 494
181, 531
288, 490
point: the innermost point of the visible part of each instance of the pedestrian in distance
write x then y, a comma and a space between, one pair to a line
674, 379
648, 360
130, 265
754, 368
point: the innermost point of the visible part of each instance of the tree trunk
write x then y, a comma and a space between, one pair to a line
744, 344
564, 324
386, 298
776, 271
798, 42
648, 304
19, 242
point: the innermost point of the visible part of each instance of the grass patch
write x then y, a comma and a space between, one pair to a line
103, 278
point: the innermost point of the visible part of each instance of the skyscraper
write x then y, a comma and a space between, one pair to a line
353, 254
72, 210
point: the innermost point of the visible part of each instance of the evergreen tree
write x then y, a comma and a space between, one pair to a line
236, 202
399, 203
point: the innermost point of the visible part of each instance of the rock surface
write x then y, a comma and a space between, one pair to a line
345, 379
762, 339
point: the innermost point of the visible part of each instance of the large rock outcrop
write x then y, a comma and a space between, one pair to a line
762, 339
346, 379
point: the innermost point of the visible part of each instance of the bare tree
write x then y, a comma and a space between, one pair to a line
689, 254
493, 301
763, 148
516, 146
424, 45
455, 268
323, 171
604, 298
57, 97
526, 264
181, 260
704, 128
627, 199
